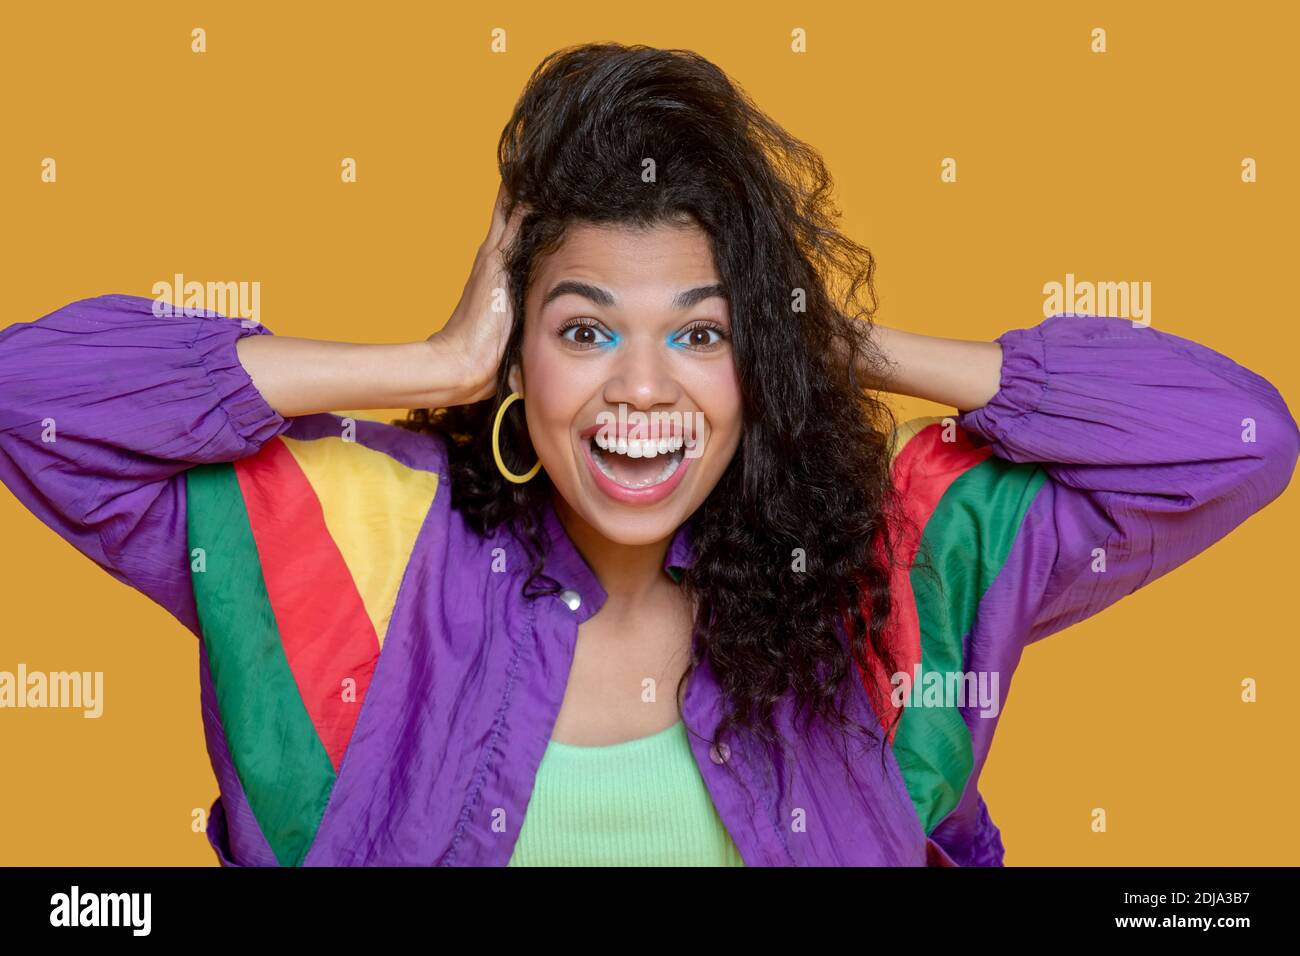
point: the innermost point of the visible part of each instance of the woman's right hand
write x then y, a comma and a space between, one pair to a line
454, 366
475, 336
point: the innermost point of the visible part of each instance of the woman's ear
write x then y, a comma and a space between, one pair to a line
515, 378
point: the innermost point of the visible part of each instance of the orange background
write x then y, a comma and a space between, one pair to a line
1123, 166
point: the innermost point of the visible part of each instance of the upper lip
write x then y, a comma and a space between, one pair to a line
626, 433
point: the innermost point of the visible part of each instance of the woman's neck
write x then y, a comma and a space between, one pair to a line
630, 574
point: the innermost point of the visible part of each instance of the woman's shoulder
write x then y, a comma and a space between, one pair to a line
958, 494
332, 499
929, 448
356, 473
363, 446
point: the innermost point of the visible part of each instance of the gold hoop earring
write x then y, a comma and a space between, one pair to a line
506, 473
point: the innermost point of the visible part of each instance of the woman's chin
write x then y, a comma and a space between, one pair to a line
634, 530
628, 525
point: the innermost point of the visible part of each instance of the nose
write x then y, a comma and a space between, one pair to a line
642, 377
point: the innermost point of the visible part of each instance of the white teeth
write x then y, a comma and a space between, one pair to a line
638, 447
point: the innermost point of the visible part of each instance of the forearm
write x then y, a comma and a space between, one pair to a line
958, 372
306, 376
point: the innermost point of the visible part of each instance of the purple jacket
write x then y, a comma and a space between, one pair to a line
376, 689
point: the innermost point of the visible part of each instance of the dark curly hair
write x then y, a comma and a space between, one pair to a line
812, 468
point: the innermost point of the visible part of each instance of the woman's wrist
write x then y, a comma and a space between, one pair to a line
964, 374
455, 377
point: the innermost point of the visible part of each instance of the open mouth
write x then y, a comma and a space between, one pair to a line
635, 471
637, 463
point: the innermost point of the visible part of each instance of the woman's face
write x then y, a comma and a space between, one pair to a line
627, 345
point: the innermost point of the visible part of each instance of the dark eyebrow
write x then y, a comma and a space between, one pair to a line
683, 300
573, 287
692, 297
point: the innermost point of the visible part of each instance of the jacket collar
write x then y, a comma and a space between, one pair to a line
565, 563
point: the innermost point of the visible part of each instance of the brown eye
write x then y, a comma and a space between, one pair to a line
699, 337
585, 335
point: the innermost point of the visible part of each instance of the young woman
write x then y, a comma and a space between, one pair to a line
636, 580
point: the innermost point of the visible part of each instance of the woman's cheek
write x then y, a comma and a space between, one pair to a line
554, 398
720, 388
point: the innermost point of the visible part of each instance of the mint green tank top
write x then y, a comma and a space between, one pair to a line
641, 802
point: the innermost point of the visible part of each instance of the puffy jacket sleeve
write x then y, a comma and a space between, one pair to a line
103, 406
1154, 447
1110, 455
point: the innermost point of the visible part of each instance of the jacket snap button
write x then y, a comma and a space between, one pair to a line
572, 599
719, 753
